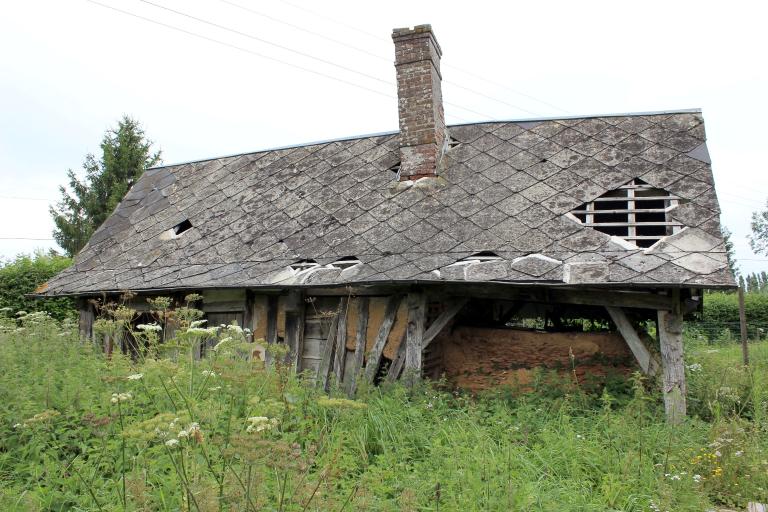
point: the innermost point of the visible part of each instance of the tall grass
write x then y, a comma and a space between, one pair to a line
79, 431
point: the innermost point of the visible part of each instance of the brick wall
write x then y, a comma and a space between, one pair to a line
420, 101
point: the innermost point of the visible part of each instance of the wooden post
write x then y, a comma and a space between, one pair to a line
645, 357
272, 304
453, 307
326, 360
743, 326
374, 357
672, 363
360, 338
414, 336
294, 327
86, 319
340, 351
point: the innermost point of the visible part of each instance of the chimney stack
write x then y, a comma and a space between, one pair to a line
420, 101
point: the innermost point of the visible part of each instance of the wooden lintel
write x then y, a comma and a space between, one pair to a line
645, 358
362, 329
585, 297
374, 357
452, 308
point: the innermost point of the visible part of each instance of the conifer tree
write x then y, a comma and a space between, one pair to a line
125, 154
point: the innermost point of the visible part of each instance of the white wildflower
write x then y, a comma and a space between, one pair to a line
214, 388
135, 376
21, 313
149, 327
695, 367
579, 436
429, 405
235, 328
120, 397
260, 424
209, 373
219, 344
17, 425
171, 443
718, 454
697, 478
198, 323
739, 453
183, 434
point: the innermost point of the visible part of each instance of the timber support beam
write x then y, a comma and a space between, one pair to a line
647, 360
670, 332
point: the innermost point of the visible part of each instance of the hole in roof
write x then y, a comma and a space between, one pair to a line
636, 211
452, 143
479, 257
396, 170
346, 262
181, 227
304, 265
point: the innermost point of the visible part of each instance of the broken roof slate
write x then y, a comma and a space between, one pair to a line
506, 188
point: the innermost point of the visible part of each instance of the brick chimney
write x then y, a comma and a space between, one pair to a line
420, 101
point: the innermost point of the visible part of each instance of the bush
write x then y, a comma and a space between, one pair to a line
723, 308
24, 274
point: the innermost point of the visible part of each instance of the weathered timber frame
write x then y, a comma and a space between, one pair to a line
351, 352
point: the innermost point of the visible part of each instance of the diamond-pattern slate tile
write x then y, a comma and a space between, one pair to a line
504, 188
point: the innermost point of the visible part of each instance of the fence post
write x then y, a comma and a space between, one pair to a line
743, 325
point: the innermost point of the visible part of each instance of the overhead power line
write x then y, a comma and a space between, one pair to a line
240, 48
469, 73
24, 238
307, 31
270, 43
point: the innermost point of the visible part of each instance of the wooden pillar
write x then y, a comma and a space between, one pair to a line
272, 304
414, 336
672, 363
326, 360
360, 338
340, 350
85, 309
294, 327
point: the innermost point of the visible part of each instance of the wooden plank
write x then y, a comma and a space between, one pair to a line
248, 313
670, 327
327, 357
560, 294
374, 356
743, 328
453, 307
414, 335
294, 328
645, 358
340, 351
86, 320
397, 364
271, 325
362, 328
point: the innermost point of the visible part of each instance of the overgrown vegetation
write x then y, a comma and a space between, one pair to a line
168, 431
22, 276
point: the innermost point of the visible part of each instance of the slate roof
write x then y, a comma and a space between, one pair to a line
505, 188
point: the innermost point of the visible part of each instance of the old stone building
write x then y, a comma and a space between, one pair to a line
416, 252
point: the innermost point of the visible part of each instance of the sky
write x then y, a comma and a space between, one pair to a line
208, 78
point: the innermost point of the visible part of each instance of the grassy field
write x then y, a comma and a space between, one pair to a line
80, 432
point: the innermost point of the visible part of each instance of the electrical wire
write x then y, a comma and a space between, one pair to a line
270, 43
240, 48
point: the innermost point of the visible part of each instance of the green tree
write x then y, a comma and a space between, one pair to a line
758, 240
24, 274
125, 154
730, 251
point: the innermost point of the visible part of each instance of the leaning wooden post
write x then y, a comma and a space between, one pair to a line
86, 319
743, 326
672, 363
414, 336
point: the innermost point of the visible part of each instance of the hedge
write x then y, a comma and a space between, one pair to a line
23, 275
